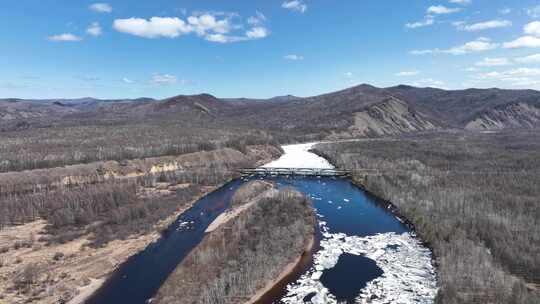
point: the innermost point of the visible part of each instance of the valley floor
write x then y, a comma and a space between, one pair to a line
47, 258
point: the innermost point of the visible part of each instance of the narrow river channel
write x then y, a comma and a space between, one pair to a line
366, 255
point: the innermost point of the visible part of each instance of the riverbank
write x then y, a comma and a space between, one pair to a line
77, 267
237, 260
266, 293
395, 284
466, 195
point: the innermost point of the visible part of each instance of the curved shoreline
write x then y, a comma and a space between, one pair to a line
388, 206
272, 288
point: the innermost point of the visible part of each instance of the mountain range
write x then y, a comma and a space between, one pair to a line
363, 110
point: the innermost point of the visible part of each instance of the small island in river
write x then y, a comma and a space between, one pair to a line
246, 250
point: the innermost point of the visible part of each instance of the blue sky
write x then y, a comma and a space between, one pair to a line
263, 48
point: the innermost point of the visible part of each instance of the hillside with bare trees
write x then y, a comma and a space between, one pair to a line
473, 197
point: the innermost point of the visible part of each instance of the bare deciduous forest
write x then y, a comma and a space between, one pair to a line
473, 197
245, 254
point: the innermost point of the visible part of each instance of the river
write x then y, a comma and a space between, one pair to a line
365, 253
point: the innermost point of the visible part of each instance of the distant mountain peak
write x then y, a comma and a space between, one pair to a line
285, 98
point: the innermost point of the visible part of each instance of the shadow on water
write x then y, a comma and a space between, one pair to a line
344, 207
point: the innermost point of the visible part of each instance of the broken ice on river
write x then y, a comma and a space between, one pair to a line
409, 276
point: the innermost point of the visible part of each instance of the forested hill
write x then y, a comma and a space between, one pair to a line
360, 110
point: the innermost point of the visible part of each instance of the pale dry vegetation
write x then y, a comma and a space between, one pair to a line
473, 197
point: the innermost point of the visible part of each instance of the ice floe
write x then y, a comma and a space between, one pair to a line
298, 156
409, 276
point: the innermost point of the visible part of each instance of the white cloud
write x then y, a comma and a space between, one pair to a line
532, 28
295, 5
164, 79
534, 11
479, 45
127, 80
206, 25
220, 38
407, 73
94, 29
429, 82
427, 22
529, 59
516, 77
101, 7
461, 2
442, 10
424, 52
480, 26
65, 37
349, 75
293, 57
490, 62
523, 42
531, 40
155, 27
257, 33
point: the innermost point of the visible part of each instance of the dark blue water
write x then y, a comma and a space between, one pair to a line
338, 279
346, 209
139, 278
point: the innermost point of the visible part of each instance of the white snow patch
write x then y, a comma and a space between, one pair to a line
409, 275
298, 156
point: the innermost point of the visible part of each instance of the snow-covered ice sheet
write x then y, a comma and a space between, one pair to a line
298, 156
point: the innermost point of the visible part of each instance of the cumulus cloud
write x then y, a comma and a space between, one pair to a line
478, 45
535, 58
295, 5
407, 73
155, 27
293, 57
101, 7
94, 29
481, 26
214, 27
532, 28
164, 79
65, 37
530, 40
490, 62
205, 23
523, 42
442, 10
257, 33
